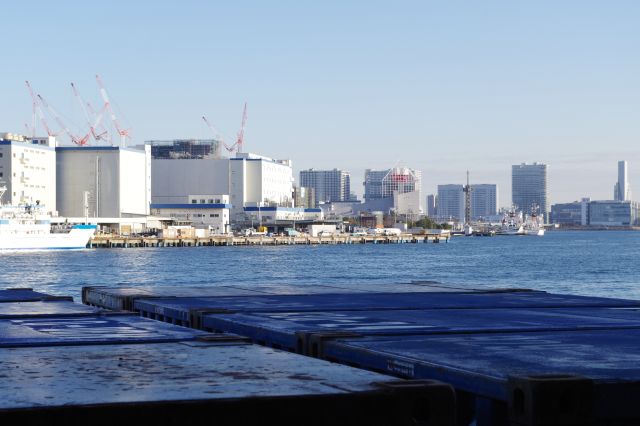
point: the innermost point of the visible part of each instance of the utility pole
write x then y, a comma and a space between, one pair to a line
467, 201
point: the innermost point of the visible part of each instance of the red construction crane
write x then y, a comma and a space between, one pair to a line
240, 139
75, 139
37, 110
124, 133
218, 137
97, 118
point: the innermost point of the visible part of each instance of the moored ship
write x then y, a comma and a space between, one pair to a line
25, 227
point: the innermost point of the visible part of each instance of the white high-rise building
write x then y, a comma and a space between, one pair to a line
329, 185
28, 170
621, 190
529, 188
451, 202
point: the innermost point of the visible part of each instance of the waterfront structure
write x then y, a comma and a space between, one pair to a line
432, 205
451, 202
621, 190
329, 185
249, 179
201, 211
484, 201
28, 170
271, 215
103, 181
613, 213
568, 214
529, 188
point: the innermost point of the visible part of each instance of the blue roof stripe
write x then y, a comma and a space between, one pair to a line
191, 206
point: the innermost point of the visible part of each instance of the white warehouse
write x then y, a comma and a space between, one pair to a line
117, 180
248, 179
211, 211
28, 169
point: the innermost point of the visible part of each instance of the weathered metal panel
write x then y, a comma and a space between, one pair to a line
298, 331
95, 329
188, 383
26, 295
47, 308
188, 310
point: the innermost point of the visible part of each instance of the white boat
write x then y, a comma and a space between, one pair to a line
25, 227
533, 225
511, 224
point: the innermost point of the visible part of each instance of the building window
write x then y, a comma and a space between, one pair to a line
214, 215
210, 200
194, 201
202, 201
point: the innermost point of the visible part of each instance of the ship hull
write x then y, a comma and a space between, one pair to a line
77, 238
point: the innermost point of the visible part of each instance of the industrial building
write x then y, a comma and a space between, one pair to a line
106, 182
329, 185
28, 170
529, 188
201, 211
249, 180
451, 202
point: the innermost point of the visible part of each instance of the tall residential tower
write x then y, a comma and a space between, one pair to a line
621, 190
529, 188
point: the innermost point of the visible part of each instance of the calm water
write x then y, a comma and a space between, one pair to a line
588, 263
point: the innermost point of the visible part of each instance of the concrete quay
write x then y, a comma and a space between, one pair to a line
226, 240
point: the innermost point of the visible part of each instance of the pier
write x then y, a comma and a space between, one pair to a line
108, 241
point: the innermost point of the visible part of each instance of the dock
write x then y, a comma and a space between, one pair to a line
109, 241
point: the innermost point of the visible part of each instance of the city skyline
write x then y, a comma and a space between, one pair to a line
444, 88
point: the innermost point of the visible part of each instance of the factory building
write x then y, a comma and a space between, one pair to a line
106, 182
248, 179
28, 170
201, 211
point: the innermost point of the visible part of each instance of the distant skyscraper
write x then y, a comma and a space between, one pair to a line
382, 183
621, 190
529, 188
329, 185
432, 205
451, 202
484, 201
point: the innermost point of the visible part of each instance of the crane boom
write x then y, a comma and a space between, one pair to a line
240, 139
124, 133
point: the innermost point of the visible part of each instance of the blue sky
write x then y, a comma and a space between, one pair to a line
441, 86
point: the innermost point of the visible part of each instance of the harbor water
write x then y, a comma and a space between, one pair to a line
594, 263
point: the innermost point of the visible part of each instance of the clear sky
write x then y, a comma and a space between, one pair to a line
440, 86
